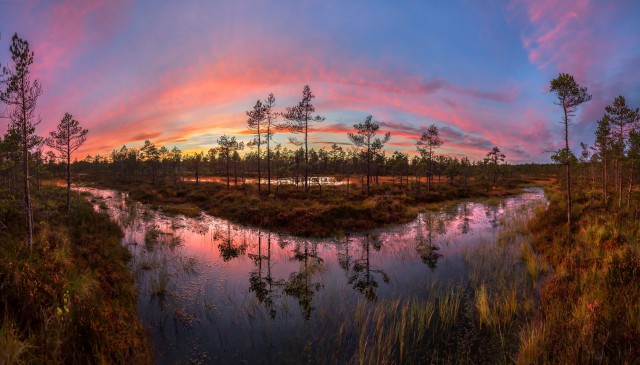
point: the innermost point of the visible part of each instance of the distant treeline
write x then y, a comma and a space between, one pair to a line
155, 163
364, 157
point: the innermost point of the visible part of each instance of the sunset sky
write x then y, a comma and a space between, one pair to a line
182, 73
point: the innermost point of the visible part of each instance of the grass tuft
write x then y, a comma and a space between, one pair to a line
12, 349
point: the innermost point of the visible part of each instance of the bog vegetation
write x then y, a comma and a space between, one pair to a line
66, 294
67, 297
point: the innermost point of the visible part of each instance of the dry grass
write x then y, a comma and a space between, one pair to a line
590, 308
402, 332
531, 338
535, 265
71, 299
12, 348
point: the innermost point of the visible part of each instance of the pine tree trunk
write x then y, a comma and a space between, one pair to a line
27, 195
25, 142
268, 163
604, 177
228, 176
69, 182
306, 156
619, 185
235, 173
368, 169
568, 169
629, 190
259, 175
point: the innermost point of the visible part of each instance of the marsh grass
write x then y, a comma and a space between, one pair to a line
395, 331
443, 324
590, 307
151, 236
500, 275
475, 319
497, 312
12, 348
483, 306
449, 303
534, 264
75, 281
189, 265
160, 282
437, 328
531, 339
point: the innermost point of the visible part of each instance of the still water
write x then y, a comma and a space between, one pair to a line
210, 291
313, 180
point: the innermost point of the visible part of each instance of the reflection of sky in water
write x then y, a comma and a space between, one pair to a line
237, 293
313, 180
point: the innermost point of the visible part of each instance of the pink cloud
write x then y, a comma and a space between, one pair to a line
209, 90
69, 26
202, 97
568, 35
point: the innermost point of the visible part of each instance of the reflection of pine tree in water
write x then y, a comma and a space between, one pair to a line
300, 285
196, 226
228, 250
263, 286
425, 247
344, 258
127, 214
465, 225
492, 214
363, 277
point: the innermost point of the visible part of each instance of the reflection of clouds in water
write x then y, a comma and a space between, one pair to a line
227, 282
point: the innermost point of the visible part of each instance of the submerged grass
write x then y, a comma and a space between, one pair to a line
497, 312
160, 282
395, 331
502, 294
475, 320
449, 307
478, 319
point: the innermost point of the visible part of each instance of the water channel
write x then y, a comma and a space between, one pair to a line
210, 291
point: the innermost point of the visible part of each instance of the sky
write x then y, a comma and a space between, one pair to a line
183, 73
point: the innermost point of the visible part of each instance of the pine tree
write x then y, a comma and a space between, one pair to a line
602, 145
298, 119
428, 142
255, 124
569, 96
622, 118
364, 137
66, 139
21, 95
